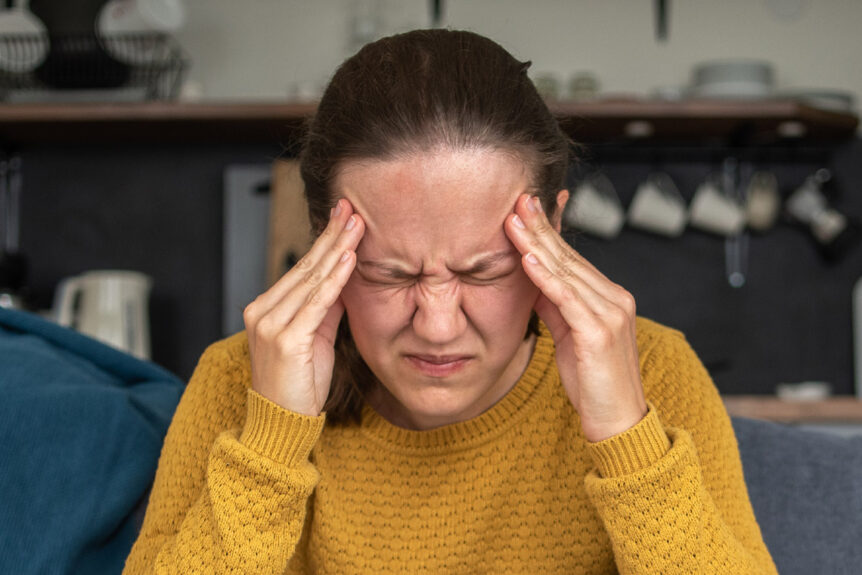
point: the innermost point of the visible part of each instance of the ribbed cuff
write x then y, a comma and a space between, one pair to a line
277, 433
632, 450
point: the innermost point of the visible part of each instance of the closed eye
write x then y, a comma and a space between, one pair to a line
387, 278
487, 271
486, 278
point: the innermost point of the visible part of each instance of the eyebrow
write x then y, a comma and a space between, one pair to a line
480, 265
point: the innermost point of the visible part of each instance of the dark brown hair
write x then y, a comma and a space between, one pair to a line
407, 94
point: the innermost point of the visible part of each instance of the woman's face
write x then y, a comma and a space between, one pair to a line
438, 304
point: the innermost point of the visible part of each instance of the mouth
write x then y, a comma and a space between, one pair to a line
438, 365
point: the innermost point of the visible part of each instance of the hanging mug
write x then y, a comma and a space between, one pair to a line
595, 208
658, 207
714, 211
763, 202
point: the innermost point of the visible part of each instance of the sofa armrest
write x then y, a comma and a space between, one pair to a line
806, 490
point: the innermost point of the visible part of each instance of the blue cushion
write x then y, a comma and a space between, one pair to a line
806, 491
82, 425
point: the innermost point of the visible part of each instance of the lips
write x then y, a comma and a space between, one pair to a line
438, 359
438, 365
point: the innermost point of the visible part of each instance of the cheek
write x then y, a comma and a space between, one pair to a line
523, 285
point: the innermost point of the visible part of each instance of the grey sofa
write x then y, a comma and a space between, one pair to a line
806, 490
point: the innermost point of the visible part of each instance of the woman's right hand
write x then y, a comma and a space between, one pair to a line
292, 326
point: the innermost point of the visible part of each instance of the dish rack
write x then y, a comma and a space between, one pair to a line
150, 65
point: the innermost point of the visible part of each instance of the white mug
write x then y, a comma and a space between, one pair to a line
595, 208
763, 202
713, 211
109, 305
808, 205
658, 207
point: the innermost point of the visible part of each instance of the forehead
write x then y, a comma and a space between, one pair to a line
444, 204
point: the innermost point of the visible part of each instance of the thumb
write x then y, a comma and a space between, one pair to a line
550, 314
329, 326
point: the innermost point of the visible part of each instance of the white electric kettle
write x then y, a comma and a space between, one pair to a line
109, 305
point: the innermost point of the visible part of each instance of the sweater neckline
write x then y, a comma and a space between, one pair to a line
496, 420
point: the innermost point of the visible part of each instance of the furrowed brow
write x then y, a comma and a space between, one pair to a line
481, 265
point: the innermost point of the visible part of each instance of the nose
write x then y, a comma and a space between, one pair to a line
439, 317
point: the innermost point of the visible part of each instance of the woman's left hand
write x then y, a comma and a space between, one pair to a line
592, 322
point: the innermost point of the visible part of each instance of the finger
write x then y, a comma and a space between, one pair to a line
561, 308
319, 302
329, 326
567, 270
531, 211
306, 284
575, 298
586, 311
344, 231
531, 231
550, 315
325, 243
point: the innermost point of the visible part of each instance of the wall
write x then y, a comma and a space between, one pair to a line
264, 48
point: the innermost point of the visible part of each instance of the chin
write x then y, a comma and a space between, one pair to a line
435, 406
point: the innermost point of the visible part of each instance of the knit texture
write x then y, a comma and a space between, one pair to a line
244, 486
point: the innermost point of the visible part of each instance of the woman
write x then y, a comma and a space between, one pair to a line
461, 434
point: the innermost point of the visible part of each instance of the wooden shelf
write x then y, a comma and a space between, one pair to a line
154, 121
836, 410
730, 121
610, 120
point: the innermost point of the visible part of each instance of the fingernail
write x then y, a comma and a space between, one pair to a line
350, 223
337, 211
531, 258
535, 205
518, 223
344, 256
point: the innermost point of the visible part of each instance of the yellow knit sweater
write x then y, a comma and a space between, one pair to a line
244, 486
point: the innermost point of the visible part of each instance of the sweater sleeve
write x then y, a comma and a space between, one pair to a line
672, 498
233, 481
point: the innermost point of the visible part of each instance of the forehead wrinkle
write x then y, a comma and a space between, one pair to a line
434, 212
417, 250
413, 184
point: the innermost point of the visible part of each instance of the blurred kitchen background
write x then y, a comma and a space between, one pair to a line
720, 178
